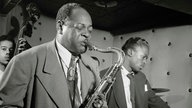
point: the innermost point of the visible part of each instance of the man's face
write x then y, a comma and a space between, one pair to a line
78, 31
6, 51
139, 58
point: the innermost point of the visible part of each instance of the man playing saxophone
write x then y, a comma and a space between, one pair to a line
56, 74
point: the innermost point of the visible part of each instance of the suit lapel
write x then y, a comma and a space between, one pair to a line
87, 76
84, 80
119, 92
53, 78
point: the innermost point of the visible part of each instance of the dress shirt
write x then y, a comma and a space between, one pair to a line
126, 84
1, 75
65, 57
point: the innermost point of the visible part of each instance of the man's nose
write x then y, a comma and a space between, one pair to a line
144, 61
7, 51
87, 34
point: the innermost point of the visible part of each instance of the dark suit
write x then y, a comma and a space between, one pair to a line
142, 98
34, 79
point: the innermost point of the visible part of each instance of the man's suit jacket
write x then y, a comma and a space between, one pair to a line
34, 79
144, 97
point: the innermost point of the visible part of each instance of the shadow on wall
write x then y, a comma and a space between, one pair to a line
175, 98
14, 27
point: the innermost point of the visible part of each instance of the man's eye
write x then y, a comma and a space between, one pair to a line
90, 29
145, 58
80, 26
11, 50
4, 49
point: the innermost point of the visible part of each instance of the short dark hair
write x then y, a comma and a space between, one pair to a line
133, 42
66, 10
8, 38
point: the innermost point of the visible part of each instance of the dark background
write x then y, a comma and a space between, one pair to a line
121, 16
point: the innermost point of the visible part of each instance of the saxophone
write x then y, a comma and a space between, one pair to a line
108, 79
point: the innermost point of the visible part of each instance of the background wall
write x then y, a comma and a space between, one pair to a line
170, 59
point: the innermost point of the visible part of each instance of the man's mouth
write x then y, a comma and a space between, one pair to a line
84, 43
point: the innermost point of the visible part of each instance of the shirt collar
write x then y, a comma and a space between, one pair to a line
126, 72
63, 53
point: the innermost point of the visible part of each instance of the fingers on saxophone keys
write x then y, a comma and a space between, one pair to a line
99, 101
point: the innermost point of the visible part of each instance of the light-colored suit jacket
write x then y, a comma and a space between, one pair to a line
34, 79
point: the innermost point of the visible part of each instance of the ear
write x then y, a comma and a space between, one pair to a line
59, 25
130, 52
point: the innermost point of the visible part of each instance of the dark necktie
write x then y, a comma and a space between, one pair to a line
72, 78
132, 89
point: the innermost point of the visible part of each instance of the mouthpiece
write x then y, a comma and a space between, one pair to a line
90, 46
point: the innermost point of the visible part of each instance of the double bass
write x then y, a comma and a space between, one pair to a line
27, 27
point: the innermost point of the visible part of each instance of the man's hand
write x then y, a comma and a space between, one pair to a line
100, 102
